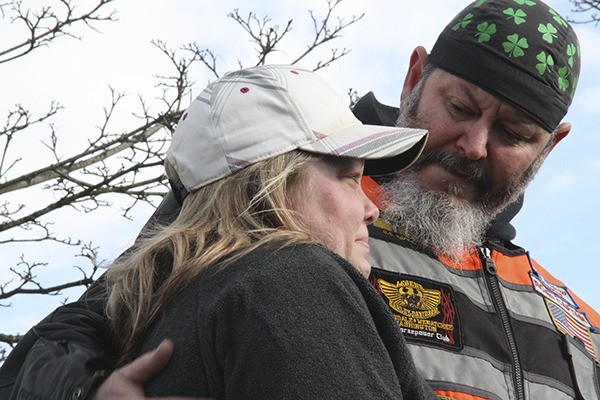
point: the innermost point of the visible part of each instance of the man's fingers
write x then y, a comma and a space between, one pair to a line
149, 364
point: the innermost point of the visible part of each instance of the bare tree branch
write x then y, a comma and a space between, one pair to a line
11, 340
27, 283
97, 152
127, 163
17, 121
589, 8
324, 33
266, 37
47, 24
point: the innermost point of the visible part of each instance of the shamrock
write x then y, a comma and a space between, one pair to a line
546, 61
571, 51
525, 2
479, 2
514, 47
548, 32
463, 22
558, 18
518, 15
563, 82
574, 86
486, 30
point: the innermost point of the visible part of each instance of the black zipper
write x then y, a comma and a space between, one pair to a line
500, 306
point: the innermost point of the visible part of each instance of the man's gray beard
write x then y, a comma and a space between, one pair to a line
432, 219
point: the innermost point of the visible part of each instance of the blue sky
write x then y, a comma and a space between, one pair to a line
558, 223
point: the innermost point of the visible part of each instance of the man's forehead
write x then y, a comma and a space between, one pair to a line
483, 97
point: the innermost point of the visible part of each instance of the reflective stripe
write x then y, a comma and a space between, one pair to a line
445, 368
541, 391
445, 371
525, 305
391, 257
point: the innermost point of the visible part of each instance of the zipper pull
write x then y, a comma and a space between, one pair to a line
486, 253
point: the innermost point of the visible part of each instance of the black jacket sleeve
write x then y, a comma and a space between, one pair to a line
65, 355
71, 351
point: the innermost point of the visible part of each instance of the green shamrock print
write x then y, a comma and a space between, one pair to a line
514, 47
479, 2
518, 15
548, 32
485, 31
546, 61
525, 2
563, 82
463, 22
571, 51
558, 18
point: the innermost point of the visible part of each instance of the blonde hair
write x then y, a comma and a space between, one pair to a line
218, 223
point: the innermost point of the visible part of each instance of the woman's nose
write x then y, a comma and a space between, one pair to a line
371, 210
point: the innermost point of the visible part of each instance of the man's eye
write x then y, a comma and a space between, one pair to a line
458, 109
511, 137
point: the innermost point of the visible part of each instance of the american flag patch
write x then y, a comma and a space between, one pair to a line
564, 311
568, 326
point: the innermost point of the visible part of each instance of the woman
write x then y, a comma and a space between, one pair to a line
257, 281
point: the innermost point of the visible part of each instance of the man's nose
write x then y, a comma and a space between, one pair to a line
473, 141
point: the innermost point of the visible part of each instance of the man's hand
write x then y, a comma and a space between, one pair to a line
128, 381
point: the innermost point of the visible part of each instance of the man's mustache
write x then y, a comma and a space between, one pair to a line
471, 170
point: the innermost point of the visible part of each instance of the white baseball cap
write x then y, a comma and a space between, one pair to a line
257, 113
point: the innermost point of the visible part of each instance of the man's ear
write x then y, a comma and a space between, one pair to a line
562, 131
418, 59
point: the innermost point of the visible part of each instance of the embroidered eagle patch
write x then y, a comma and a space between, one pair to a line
425, 310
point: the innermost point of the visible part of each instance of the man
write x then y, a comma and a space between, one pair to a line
483, 320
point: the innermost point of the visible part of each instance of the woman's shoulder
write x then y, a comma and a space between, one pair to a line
294, 252
297, 257
279, 265
273, 271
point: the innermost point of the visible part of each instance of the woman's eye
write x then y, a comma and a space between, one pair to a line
356, 178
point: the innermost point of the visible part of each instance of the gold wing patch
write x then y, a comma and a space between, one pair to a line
411, 298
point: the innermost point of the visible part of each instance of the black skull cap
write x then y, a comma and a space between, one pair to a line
521, 51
